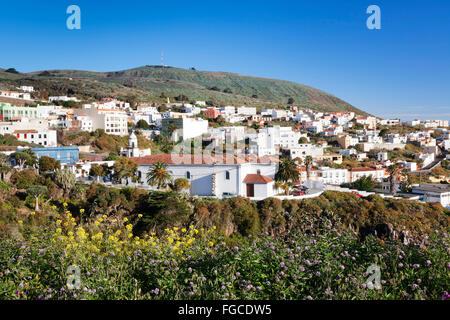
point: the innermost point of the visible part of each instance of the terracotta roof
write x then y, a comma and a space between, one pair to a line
25, 131
303, 169
115, 110
362, 169
187, 159
8, 148
256, 178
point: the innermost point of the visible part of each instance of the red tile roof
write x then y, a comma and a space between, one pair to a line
256, 178
187, 159
362, 169
25, 131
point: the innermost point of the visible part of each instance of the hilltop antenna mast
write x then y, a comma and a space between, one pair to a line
162, 59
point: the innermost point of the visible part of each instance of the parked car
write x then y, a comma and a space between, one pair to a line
298, 193
357, 193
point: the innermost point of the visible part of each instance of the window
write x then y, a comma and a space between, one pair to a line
227, 175
188, 175
258, 171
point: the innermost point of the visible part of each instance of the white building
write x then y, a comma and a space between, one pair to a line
263, 143
34, 131
246, 111
227, 110
62, 98
426, 157
411, 166
113, 121
434, 193
382, 156
333, 176
304, 150
26, 88
133, 150
356, 173
415, 122
185, 128
250, 177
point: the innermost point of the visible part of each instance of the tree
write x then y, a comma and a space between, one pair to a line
96, 171
180, 184
308, 164
124, 169
142, 124
21, 157
48, 164
158, 175
25, 178
393, 171
303, 140
65, 179
36, 192
365, 183
287, 172
171, 128
112, 157
291, 100
407, 181
11, 70
4, 165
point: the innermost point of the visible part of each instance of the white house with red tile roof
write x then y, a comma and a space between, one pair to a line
215, 176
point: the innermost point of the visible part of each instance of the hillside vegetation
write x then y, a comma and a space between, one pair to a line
156, 83
191, 260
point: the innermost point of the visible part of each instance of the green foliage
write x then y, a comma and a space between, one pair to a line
180, 184
65, 179
10, 140
124, 169
151, 83
303, 140
245, 215
164, 209
97, 171
142, 124
320, 266
24, 179
287, 171
48, 164
365, 183
158, 175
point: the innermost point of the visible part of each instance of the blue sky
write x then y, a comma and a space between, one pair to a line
401, 70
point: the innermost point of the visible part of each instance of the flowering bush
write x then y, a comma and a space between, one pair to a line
191, 263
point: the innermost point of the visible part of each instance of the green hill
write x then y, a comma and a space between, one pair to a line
155, 82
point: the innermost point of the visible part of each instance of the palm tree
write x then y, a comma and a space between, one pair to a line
287, 172
308, 164
159, 175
